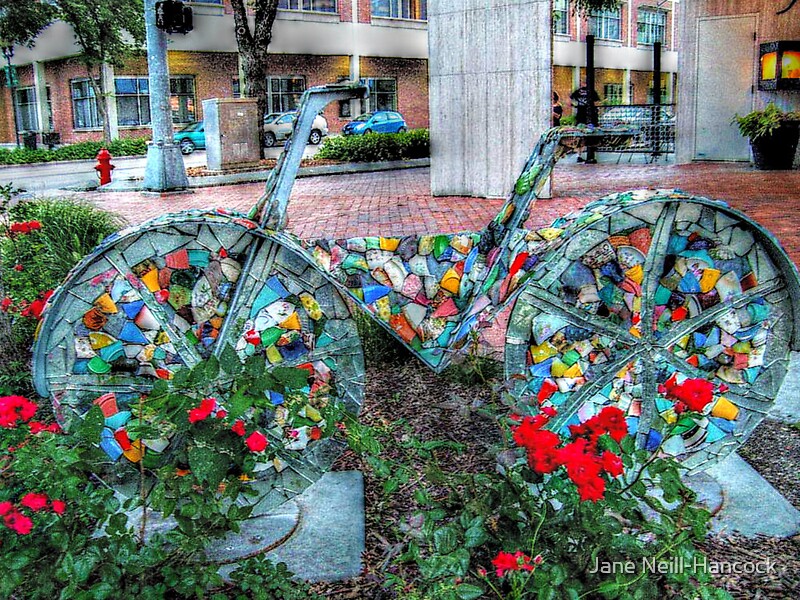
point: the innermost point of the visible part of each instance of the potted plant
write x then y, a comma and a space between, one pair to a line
773, 136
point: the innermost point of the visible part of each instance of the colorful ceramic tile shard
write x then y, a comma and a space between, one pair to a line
637, 292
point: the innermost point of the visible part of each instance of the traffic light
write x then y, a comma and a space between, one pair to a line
10, 77
173, 17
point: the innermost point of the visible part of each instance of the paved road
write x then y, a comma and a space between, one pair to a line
58, 175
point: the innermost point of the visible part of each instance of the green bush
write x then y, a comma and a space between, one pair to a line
69, 231
81, 151
33, 262
374, 147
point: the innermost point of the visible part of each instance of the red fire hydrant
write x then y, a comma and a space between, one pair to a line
104, 166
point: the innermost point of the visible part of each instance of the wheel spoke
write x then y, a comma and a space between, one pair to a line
555, 306
654, 265
712, 314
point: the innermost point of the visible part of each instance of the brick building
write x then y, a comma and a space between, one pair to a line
624, 40
315, 42
720, 66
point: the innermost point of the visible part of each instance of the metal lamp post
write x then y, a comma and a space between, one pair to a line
164, 170
8, 52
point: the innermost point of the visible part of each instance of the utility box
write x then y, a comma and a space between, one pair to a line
231, 133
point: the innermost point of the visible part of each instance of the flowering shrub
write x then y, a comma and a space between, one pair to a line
64, 532
559, 506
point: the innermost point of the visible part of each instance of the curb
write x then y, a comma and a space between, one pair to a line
260, 176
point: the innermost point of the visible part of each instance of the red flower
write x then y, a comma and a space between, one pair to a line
221, 413
203, 411
612, 420
583, 468
238, 428
525, 434
505, 562
14, 409
18, 267
18, 522
58, 506
612, 464
592, 489
6, 304
5, 507
256, 442
315, 433
35, 502
694, 393
38, 427
36, 308
34, 225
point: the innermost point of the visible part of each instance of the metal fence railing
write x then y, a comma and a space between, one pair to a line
656, 124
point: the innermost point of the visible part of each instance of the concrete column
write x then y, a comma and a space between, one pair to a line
164, 170
490, 91
40, 87
355, 58
626, 87
576, 77
670, 87
107, 73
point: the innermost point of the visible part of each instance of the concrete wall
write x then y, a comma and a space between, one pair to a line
770, 27
490, 82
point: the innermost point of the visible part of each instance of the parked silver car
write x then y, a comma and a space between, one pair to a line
278, 127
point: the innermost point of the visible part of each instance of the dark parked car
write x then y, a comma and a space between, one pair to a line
382, 121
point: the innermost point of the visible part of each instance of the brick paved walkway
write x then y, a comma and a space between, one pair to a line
399, 202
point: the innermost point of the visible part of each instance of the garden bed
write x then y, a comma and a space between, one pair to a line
438, 407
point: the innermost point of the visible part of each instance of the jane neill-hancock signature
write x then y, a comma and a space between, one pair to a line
791, 4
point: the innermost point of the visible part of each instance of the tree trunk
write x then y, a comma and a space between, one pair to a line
101, 99
253, 45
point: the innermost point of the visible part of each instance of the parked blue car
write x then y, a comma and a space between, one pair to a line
382, 121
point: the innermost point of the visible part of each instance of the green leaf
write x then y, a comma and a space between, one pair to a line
293, 378
229, 360
208, 465
212, 368
92, 425
445, 540
467, 591
390, 486
475, 536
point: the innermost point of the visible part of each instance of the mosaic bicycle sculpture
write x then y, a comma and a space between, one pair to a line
620, 304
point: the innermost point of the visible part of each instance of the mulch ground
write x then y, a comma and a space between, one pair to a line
442, 407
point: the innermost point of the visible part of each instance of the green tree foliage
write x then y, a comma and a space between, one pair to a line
22, 20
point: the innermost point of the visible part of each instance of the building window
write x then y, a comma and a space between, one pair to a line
664, 93
606, 24
133, 101
382, 94
612, 93
27, 117
326, 6
285, 93
236, 88
561, 17
401, 9
84, 105
181, 99
651, 26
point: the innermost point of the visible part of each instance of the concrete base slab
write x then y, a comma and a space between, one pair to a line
330, 539
750, 506
787, 405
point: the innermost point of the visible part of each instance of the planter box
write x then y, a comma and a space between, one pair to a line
776, 151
